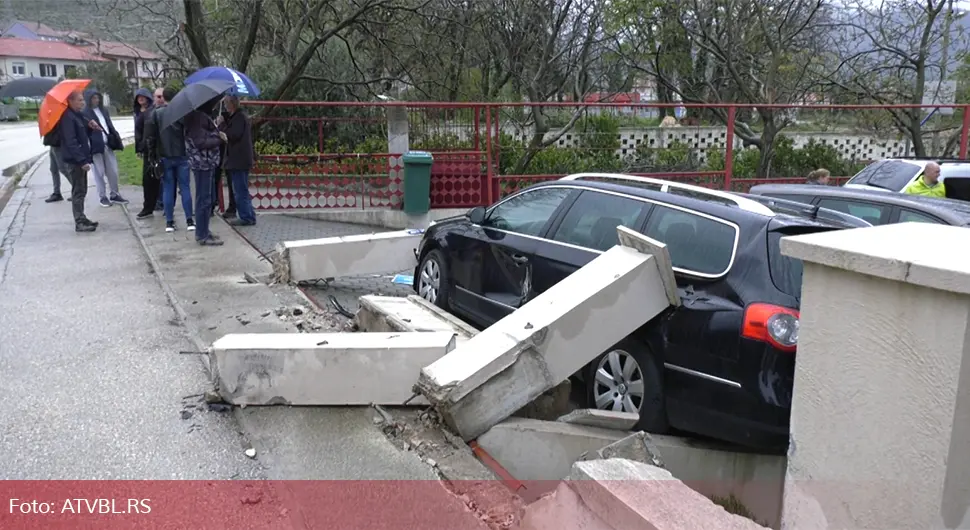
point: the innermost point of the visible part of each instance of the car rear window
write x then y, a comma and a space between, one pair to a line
887, 174
786, 273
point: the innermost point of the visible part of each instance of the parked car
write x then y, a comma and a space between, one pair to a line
876, 207
895, 174
720, 365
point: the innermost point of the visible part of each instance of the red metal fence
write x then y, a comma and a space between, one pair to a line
338, 154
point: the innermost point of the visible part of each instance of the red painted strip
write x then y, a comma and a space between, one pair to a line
511, 482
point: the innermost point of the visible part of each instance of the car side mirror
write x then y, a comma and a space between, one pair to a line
476, 215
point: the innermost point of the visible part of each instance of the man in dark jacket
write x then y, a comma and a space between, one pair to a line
149, 184
220, 171
169, 145
77, 157
239, 158
105, 140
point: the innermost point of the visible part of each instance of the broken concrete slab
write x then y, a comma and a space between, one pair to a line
606, 419
543, 450
533, 349
333, 257
618, 494
647, 245
392, 313
637, 447
323, 368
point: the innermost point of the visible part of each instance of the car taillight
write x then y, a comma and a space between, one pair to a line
773, 324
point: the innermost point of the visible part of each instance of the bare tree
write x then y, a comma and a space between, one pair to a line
760, 52
897, 52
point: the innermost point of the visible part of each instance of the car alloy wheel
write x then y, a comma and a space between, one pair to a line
429, 282
618, 383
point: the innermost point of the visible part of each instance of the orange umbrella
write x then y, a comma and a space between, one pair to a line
55, 103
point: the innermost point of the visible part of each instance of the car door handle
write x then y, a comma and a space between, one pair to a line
519, 259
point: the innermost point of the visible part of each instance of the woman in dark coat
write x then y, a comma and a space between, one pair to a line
151, 186
202, 145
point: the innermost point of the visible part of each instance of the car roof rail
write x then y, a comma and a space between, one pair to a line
665, 186
930, 159
807, 210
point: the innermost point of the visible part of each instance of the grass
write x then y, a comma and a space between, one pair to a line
129, 167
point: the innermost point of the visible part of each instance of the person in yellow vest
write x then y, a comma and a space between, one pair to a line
928, 184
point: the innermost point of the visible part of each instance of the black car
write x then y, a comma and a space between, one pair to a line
877, 207
720, 365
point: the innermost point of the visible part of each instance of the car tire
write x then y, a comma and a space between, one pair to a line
432, 281
644, 374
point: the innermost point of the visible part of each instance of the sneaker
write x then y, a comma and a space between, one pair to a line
105, 203
170, 226
89, 222
240, 222
82, 227
145, 215
211, 242
190, 225
159, 207
55, 197
229, 214
118, 199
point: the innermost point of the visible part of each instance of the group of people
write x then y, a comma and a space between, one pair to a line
205, 141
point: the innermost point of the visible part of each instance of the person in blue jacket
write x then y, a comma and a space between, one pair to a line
105, 140
77, 157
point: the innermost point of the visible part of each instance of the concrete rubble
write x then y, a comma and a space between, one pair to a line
506, 366
323, 368
618, 494
607, 419
334, 257
411, 314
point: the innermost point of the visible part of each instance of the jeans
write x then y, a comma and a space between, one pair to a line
203, 202
176, 172
239, 186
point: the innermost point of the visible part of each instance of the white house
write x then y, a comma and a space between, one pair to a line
38, 58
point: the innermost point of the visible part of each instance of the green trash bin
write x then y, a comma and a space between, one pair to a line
417, 182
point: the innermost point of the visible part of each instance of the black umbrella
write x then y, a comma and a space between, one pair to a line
27, 87
193, 97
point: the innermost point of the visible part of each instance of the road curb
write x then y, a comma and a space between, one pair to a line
9, 184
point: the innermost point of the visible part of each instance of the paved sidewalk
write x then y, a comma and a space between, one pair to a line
91, 381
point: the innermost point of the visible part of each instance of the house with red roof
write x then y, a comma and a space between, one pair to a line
40, 58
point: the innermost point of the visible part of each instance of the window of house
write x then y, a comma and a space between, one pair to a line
130, 69
48, 70
592, 220
696, 244
18, 69
527, 213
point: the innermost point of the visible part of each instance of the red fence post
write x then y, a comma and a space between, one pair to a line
320, 135
478, 124
729, 148
490, 192
965, 133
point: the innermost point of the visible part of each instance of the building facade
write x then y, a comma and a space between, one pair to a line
36, 58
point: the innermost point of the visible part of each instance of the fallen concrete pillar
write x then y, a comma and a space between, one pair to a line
620, 494
506, 366
387, 314
636, 447
323, 368
333, 257
607, 419
880, 421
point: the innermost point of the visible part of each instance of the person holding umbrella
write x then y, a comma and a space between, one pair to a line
77, 156
165, 136
239, 158
202, 144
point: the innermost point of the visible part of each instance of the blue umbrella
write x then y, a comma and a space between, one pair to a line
244, 85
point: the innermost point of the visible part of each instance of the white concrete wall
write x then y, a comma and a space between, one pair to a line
880, 421
32, 67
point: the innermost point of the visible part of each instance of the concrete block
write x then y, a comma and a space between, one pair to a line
884, 355
323, 368
636, 447
606, 419
333, 257
506, 366
543, 450
635, 240
393, 313
628, 495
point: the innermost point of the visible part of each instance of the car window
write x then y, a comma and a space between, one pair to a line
909, 216
892, 175
592, 220
873, 213
528, 212
696, 244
